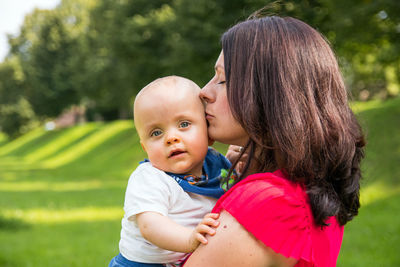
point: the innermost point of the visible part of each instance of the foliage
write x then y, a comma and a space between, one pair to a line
47, 48
99, 54
16, 114
126, 43
365, 35
17, 118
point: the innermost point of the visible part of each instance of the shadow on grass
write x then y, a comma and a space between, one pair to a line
34, 144
4, 262
120, 153
53, 136
75, 141
12, 224
382, 128
2, 142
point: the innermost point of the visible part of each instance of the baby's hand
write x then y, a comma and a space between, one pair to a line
205, 227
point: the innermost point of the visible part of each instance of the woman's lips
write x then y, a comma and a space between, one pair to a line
209, 116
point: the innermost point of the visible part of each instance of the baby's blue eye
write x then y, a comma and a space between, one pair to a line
156, 133
184, 124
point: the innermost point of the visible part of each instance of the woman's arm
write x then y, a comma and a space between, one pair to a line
167, 234
232, 245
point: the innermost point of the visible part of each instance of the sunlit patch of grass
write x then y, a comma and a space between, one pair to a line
377, 191
8, 176
47, 216
86, 145
59, 186
358, 106
120, 153
64, 139
17, 143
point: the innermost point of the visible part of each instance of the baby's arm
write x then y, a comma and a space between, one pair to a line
167, 234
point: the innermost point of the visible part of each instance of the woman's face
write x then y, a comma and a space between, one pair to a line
222, 126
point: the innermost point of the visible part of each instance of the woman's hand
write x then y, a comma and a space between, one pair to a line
205, 227
233, 154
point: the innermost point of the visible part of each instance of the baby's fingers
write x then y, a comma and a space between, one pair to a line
211, 219
210, 222
212, 215
199, 237
205, 229
201, 231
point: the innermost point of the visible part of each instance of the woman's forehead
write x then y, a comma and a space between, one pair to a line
219, 65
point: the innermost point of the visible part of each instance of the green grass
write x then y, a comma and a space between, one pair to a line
3, 139
373, 237
61, 193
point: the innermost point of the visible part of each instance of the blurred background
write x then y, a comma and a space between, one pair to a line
68, 77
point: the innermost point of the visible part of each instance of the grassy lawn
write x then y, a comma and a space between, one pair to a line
61, 193
373, 237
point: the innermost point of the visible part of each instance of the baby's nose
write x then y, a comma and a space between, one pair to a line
172, 140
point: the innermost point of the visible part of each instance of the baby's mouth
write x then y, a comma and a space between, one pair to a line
175, 153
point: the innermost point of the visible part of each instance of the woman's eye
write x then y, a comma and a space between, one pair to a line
184, 124
156, 133
222, 82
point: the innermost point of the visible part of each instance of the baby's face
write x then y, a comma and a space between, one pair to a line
172, 129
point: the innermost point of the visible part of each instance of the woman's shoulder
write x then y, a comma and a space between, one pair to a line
275, 210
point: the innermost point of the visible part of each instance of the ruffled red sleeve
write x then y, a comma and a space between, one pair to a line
276, 211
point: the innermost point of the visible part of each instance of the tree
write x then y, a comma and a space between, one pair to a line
51, 51
127, 44
101, 53
16, 114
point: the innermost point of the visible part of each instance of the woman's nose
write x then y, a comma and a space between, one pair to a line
206, 93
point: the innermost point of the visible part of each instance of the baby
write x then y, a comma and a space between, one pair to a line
169, 197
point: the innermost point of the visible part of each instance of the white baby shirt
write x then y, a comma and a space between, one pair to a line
150, 189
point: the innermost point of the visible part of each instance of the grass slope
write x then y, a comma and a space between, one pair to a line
372, 238
61, 193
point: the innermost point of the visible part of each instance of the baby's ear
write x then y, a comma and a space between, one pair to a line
144, 149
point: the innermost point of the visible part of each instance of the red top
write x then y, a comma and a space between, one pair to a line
277, 212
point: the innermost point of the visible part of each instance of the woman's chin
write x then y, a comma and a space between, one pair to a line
215, 135
229, 140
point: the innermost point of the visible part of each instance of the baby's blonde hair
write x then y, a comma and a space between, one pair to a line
164, 83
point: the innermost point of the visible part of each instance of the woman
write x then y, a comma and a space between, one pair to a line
279, 94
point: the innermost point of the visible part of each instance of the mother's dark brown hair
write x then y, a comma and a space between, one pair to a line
285, 88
